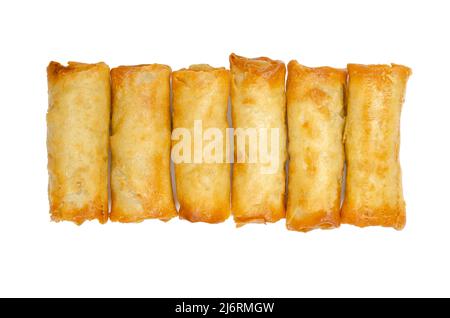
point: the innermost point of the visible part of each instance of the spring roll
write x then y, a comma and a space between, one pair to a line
315, 107
258, 106
77, 141
200, 100
140, 144
373, 194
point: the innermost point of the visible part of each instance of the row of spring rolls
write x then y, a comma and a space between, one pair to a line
333, 116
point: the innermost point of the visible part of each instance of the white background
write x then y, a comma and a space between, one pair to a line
41, 258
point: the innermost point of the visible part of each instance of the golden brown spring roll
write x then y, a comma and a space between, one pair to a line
373, 194
140, 144
200, 99
77, 141
258, 102
315, 107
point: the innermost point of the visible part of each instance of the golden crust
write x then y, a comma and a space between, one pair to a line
203, 189
259, 69
140, 144
379, 72
77, 141
374, 194
258, 101
315, 108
